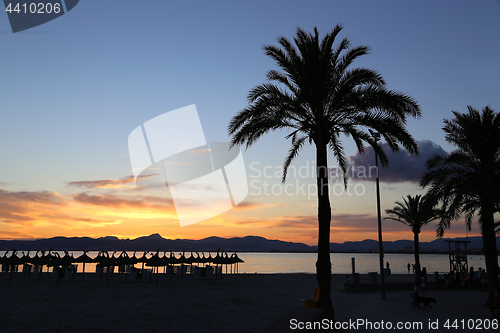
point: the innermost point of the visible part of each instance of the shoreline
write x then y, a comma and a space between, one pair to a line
235, 303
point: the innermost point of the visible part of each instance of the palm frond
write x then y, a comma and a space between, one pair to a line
297, 145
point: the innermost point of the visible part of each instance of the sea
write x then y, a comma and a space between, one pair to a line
283, 263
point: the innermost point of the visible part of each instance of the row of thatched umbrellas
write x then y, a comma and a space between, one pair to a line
104, 259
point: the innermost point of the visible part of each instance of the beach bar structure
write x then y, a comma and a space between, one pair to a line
458, 256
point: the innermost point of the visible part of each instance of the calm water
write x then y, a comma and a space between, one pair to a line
341, 262
305, 262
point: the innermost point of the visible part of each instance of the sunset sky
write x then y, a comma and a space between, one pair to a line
72, 90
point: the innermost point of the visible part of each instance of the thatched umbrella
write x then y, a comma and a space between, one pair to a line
227, 261
67, 266
156, 261
25, 262
182, 260
123, 260
218, 260
143, 259
67, 259
191, 260
35, 261
59, 264
105, 260
85, 259
169, 262
202, 259
42, 260
12, 262
236, 260
3, 262
209, 260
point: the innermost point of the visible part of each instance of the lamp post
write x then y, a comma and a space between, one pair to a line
376, 136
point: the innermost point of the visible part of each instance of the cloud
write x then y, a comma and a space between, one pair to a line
103, 183
14, 235
249, 205
403, 167
40, 197
113, 201
49, 208
19, 206
67, 218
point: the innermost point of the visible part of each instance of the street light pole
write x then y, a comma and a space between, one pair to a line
376, 136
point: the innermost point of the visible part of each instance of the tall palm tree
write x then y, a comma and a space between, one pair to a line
415, 212
319, 98
466, 181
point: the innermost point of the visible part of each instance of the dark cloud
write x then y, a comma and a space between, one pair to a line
298, 222
366, 223
114, 201
403, 167
103, 183
353, 223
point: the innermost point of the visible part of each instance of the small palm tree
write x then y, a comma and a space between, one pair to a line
415, 212
320, 99
466, 181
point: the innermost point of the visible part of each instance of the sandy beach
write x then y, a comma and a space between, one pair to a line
237, 303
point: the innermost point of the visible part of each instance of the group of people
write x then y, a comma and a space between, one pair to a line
474, 279
452, 280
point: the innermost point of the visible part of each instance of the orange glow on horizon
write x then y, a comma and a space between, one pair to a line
131, 214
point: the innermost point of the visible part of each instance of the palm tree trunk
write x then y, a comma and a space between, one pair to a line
323, 264
417, 257
490, 251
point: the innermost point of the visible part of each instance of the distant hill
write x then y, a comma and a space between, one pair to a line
437, 245
155, 242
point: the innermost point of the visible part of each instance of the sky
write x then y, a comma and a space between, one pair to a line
73, 89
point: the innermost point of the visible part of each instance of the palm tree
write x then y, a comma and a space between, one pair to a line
415, 212
466, 181
319, 98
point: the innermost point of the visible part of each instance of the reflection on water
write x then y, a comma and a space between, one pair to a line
341, 262
270, 263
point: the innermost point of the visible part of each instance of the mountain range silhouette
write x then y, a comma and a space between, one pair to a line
241, 244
